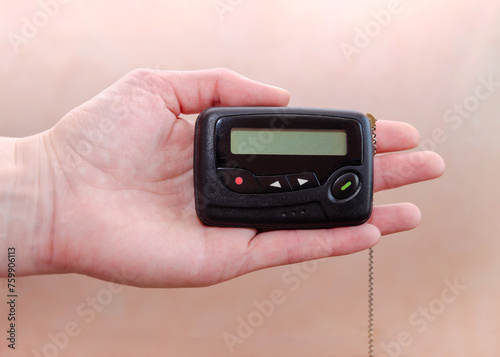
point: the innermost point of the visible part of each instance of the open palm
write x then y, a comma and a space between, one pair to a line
124, 207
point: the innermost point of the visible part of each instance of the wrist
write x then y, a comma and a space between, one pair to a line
26, 204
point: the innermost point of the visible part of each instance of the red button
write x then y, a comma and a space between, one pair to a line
238, 180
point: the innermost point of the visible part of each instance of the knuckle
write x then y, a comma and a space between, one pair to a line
140, 73
224, 72
141, 76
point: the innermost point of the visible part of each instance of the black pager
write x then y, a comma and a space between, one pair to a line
282, 167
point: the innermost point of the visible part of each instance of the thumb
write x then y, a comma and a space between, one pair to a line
192, 92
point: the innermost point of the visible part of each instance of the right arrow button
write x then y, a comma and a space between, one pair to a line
303, 180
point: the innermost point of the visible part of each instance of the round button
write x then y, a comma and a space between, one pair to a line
345, 186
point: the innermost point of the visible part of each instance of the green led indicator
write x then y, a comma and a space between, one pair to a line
346, 186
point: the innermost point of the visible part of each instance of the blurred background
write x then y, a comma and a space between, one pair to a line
434, 64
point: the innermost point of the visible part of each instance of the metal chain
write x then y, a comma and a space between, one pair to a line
370, 302
370, 258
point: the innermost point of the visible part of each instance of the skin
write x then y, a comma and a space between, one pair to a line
108, 191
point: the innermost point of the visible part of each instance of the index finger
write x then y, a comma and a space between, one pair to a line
396, 136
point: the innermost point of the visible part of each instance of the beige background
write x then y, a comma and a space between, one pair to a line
430, 56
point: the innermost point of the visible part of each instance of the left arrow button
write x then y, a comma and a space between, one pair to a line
272, 184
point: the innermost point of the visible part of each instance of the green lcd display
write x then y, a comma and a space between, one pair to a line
288, 142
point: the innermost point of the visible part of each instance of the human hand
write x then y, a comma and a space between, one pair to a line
123, 207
